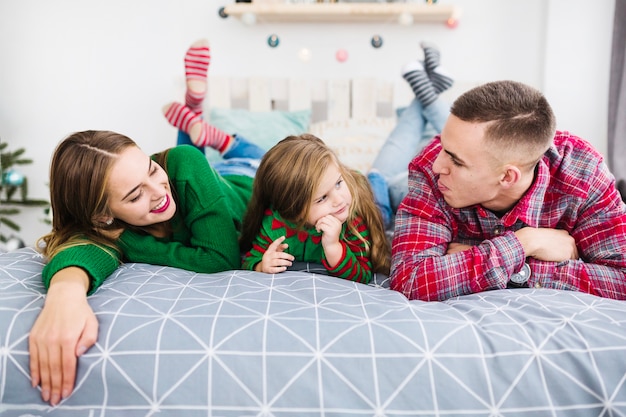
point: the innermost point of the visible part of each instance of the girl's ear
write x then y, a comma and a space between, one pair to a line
510, 176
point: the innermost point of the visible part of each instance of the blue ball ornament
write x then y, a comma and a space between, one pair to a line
273, 40
12, 177
377, 41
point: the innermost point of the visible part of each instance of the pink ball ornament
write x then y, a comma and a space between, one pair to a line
452, 23
341, 55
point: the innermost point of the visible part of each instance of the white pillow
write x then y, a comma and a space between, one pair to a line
355, 141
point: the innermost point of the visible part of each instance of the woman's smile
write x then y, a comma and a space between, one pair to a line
162, 206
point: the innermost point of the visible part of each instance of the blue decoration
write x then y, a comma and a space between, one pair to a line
273, 40
12, 177
377, 41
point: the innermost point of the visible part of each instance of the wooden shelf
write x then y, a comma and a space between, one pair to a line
343, 12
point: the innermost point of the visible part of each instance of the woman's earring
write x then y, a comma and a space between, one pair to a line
109, 221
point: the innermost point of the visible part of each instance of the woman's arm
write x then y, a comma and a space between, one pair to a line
64, 330
205, 232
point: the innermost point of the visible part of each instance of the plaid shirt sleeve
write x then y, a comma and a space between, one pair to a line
599, 229
420, 268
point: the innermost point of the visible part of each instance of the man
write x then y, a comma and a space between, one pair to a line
499, 199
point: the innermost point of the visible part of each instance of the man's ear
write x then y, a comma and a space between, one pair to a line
510, 176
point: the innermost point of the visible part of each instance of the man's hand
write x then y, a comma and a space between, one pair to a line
545, 244
454, 247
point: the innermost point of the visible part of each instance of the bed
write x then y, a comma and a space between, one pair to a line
240, 343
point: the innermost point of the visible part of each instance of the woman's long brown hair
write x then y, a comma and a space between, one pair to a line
79, 173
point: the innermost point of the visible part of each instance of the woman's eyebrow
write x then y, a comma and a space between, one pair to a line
135, 188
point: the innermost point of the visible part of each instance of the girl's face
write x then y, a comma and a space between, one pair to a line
139, 190
331, 197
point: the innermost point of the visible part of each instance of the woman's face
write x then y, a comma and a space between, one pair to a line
139, 190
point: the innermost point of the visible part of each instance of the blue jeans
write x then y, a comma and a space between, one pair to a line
405, 141
241, 158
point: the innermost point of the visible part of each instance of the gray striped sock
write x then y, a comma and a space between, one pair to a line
421, 85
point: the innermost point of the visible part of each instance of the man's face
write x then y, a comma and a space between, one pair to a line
468, 172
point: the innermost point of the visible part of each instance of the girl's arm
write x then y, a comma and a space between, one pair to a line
354, 263
254, 258
275, 259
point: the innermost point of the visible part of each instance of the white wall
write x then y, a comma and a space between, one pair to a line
69, 65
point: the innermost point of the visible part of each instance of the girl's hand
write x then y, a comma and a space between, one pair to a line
64, 330
275, 259
330, 227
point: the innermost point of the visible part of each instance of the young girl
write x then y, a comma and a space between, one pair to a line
306, 206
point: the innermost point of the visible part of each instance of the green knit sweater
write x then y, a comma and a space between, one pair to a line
305, 246
205, 227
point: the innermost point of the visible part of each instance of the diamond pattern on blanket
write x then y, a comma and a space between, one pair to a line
177, 343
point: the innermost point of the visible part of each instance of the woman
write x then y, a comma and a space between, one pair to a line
113, 203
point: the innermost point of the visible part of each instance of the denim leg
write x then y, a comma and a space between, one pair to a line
381, 196
415, 128
399, 148
237, 166
408, 137
436, 114
242, 158
398, 188
184, 139
243, 148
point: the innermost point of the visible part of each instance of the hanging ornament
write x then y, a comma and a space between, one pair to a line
12, 177
273, 40
304, 54
377, 41
405, 19
452, 23
13, 243
341, 55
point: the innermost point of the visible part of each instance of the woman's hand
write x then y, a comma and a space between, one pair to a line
275, 259
64, 330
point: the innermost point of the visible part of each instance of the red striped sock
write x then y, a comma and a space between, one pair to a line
197, 60
214, 137
183, 118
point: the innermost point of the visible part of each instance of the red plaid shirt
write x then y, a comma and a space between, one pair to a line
573, 190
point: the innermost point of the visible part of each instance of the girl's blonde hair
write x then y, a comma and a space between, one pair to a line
79, 173
288, 176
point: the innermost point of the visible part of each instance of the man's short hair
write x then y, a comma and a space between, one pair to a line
520, 121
